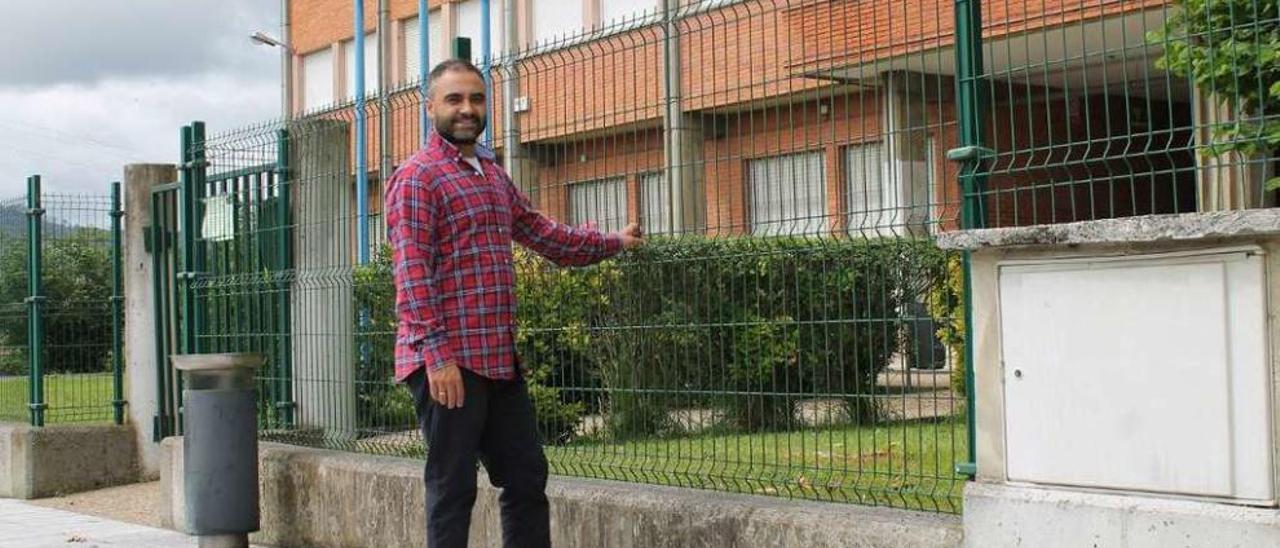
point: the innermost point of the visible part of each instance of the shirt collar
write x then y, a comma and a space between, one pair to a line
449, 150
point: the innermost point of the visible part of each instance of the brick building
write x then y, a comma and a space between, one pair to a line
804, 117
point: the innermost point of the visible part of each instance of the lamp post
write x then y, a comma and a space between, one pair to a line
286, 70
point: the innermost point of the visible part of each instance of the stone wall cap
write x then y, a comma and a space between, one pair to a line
1146, 228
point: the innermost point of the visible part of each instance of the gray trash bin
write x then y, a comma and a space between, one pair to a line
220, 446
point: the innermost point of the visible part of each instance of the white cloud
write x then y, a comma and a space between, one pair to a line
59, 41
78, 138
88, 86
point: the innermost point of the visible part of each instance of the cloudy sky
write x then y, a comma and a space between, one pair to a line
87, 86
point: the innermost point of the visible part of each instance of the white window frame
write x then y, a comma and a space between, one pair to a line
862, 217
318, 80
370, 66
642, 12
411, 40
562, 35
802, 213
464, 13
588, 199
655, 203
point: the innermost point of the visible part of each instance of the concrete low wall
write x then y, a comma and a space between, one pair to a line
41, 462
324, 498
1002, 515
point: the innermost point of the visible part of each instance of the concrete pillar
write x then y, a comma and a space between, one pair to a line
682, 146
519, 165
322, 304
1229, 181
1125, 377
905, 175
139, 325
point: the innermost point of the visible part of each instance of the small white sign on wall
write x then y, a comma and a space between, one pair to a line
1141, 373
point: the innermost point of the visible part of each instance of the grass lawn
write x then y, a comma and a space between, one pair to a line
902, 465
71, 398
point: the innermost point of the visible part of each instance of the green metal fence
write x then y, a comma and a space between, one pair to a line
61, 317
162, 243
790, 330
1109, 109
14, 361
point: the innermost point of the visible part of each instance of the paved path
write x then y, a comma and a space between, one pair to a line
25, 525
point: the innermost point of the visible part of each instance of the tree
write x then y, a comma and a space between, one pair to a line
1231, 49
77, 286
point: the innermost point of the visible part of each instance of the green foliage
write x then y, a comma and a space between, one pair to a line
1230, 48
753, 325
747, 326
946, 305
77, 287
382, 403
13, 311
557, 418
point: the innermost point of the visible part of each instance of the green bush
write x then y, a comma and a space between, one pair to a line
946, 304
549, 355
748, 326
1231, 49
77, 289
380, 402
756, 324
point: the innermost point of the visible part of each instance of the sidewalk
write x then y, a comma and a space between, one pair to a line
26, 525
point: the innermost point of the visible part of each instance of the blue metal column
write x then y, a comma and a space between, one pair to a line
362, 160
486, 21
424, 67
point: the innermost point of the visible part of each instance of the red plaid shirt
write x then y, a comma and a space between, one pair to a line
450, 230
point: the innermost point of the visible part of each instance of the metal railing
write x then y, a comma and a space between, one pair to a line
61, 308
790, 330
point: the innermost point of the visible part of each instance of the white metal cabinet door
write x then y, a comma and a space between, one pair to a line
1139, 373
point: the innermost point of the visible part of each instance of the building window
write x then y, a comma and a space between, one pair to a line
317, 79
603, 202
413, 39
864, 188
925, 202
705, 5
788, 194
370, 65
556, 20
469, 26
620, 11
655, 204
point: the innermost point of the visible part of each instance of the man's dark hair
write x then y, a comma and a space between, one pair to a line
451, 65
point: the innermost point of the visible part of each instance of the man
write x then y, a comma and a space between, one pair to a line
452, 214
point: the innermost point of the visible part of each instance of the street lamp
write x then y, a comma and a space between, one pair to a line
266, 40
286, 69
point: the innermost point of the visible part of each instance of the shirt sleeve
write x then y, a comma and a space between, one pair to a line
560, 243
411, 216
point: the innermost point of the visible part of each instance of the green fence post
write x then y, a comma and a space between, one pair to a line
971, 106
191, 212
117, 305
160, 290
199, 183
191, 190
461, 48
186, 252
284, 372
35, 298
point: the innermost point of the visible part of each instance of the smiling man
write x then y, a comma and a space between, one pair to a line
452, 214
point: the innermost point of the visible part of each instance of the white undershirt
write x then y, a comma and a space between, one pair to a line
475, 162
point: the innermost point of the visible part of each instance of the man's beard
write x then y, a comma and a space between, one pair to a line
454, 138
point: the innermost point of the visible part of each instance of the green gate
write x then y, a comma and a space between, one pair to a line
217, 241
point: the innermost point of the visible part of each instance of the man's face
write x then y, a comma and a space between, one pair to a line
456, 106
